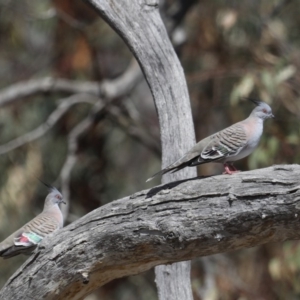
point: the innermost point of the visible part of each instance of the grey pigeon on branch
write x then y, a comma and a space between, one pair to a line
26, 239
228, 145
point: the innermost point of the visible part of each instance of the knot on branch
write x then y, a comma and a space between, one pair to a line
85, 277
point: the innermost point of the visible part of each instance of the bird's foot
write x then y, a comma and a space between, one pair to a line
228, 172
230, 169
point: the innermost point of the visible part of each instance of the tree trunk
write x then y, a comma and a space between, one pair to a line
139, 24
169, 223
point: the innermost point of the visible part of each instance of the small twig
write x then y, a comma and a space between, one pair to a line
113, 89
72, 156
68, 19
278, 8
134, 128
36, 86
62, 108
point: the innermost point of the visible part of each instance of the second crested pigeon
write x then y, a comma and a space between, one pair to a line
26, 239
228, 145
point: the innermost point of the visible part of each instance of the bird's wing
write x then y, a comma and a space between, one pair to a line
228, 142
225, 143
26, 238
41, 225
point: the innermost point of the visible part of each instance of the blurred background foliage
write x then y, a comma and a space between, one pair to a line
228, 49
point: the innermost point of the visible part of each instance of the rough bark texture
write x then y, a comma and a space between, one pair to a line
169, 279
138, 22
168, 223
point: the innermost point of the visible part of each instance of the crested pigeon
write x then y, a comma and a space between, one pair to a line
228, 145
26, 239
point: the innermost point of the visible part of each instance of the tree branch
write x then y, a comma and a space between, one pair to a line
112, 89
33, 87
173, 222
139, 24
108, 88
134, 128
72, 155
63, 107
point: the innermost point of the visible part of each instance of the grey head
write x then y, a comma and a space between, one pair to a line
262, 110
54, 197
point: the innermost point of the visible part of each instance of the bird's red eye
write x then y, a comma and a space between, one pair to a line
58, 197
264, 110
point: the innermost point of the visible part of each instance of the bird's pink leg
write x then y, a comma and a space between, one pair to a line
230, 169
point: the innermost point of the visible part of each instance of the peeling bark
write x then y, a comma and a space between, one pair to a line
169, 223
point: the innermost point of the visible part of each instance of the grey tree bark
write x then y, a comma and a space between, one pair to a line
139, 23
169, 223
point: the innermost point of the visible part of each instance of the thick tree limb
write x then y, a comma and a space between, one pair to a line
174, 222
138, 22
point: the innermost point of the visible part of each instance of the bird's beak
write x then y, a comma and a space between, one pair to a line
272, 116
64, 202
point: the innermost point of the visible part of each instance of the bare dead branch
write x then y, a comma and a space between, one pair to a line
72, 155
71, 21
54, 117
118, 87
32, 87
122, 85
140, 25
134, 128
108, 89
149, 42
174, 222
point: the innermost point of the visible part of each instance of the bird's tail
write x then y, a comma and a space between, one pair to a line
156, 174
172, 168
9, 241
16, 250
